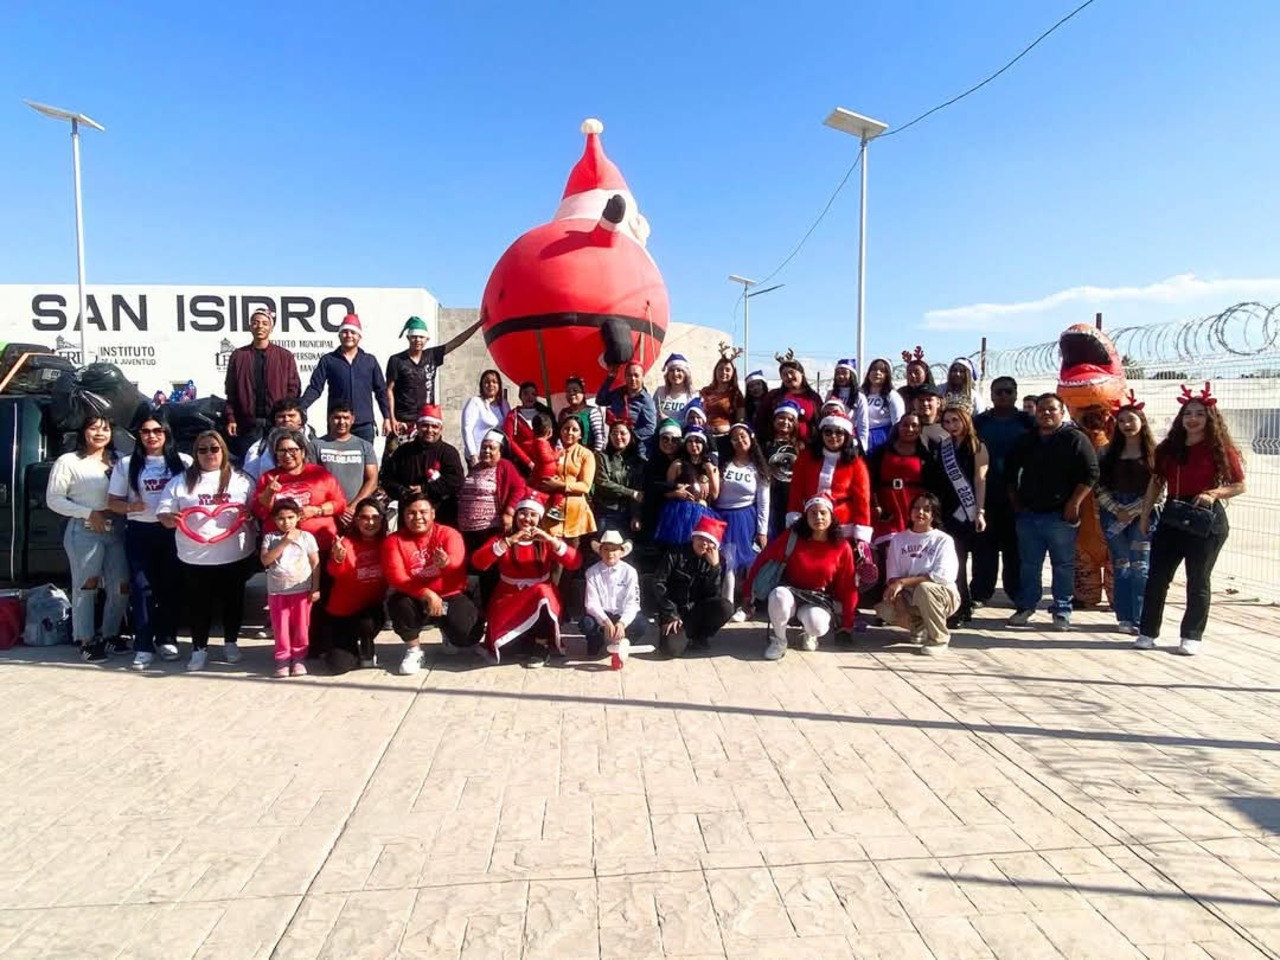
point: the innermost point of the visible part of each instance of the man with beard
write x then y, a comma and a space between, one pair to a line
427, 465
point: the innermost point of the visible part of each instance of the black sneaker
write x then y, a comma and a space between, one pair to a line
95, 652
595, 646
539, 660
118, 646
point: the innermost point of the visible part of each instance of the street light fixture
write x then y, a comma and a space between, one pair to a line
75, 119
866, 130
746, 314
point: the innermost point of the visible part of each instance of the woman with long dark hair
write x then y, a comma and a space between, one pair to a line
796, 390
918, 374
833, 467
619, 489
590, 418
208, 506
743, 504
77, 490
355, 606
1199, 466
693, 481
155, 579
484, 412
818, 571
884, 405
723, 403
1124, 473
518, 427
958, 477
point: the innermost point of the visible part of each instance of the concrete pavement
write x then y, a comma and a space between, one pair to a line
1031, 794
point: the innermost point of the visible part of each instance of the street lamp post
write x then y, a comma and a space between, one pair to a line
866, 130
75, 119
746, 314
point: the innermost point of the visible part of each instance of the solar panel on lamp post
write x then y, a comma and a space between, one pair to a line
866, 130
76, 120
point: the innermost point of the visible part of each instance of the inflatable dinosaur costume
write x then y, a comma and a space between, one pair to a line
1091, 378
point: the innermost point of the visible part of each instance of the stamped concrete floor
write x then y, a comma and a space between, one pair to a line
1029, 795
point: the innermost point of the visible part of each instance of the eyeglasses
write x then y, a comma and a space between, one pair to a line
832, 432
287, 451
150, 431
208, 449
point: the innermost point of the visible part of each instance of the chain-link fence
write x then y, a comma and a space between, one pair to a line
1239, 351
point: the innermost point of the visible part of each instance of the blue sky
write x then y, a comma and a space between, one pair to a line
407, 146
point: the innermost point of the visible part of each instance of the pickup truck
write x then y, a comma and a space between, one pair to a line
30, 533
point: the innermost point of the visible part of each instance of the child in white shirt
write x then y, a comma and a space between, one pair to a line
613, 596
292, 561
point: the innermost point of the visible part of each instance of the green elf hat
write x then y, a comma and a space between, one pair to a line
414, 327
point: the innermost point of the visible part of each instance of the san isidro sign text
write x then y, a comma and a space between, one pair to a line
162, 335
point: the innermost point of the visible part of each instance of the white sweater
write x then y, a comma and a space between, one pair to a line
931, 554
77, 485
478, 418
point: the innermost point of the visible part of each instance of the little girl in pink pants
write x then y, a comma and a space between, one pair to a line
292, 561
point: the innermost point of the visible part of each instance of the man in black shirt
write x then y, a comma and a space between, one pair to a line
1049, 473
411, 374
999, 427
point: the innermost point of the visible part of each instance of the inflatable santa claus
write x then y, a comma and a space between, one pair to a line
580, 293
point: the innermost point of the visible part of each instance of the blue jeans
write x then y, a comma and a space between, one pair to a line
155, 584
1038, 534
594, 631
1130, 555
96, 557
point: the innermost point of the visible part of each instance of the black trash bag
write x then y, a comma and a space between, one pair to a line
189, 419
98, 390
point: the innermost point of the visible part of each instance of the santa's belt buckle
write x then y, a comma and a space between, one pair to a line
897, 483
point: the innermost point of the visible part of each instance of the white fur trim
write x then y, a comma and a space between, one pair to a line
527, 625
500, 547
591, 125
792, 518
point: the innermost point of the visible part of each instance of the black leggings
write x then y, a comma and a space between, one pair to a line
962, 534
461, 623
211, 590
355, 633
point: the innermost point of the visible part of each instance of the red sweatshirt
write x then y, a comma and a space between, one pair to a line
407, 562
814, 565
358, 581
312, 487
847, 484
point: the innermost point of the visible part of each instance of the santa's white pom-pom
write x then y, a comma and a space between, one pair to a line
592, 125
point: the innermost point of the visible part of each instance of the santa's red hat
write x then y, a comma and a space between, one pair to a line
430, 413
351, 322
592, 181
711, 529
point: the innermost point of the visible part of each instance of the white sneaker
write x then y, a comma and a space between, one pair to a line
776, 650
1144, 643
1189, 648
1020, 618
808, 643
412, 662
198, 659
168, 651
141, 660
739, 616
933, 649
231, 653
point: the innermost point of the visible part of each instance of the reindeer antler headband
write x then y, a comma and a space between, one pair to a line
788, 357
729, 352
1205, 396
909, 357
1131, 402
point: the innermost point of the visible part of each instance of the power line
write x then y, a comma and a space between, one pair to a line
928, 113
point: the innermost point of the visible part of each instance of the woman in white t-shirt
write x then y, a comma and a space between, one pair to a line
208, 506
676, 392
484, 412
920, 587
155, 580
77, 490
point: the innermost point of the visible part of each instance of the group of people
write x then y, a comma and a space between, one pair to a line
731, 499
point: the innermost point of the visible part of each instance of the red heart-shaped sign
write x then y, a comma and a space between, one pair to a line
207, 514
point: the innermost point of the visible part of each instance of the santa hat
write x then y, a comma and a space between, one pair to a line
414, 327
695, 433
837, 421
787, 408
755, 375
677, 360
834, 404
669, 428
530, 500
594, 171
847, 364
351, 322
430, 413
819, 499
968, 364
709, 528
695, 408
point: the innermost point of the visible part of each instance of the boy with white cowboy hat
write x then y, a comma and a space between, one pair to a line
613, 596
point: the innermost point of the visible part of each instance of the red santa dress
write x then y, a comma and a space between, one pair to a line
847, 484
524, 588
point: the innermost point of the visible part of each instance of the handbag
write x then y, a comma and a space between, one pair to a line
769, 576
1186, 517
